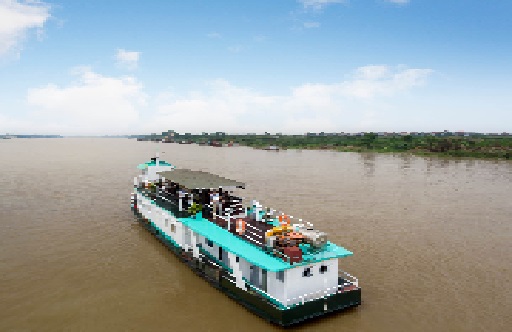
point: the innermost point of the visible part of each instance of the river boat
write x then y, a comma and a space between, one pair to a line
280, 268
272, 148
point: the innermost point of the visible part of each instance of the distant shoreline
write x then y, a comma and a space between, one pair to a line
418, 153
478, 147
474, 147
29, 136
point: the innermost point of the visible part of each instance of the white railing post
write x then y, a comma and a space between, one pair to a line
351, 278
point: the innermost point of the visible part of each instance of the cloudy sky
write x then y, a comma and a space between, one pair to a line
128, 67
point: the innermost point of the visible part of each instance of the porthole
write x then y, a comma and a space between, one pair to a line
280, 276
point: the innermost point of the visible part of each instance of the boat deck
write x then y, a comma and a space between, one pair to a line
245, 249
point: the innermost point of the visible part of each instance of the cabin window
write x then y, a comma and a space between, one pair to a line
220, 253
264, 280
173, 228
280, 276
254, 276
237, 259
307, 272
166, 222
323, 268
210, 243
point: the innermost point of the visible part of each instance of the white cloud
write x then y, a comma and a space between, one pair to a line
17, 18
235, 48
401, 2
221, 105
259, 38
127, 59
94, 104
309, 25
375, 81
214, 35
97, 104
16, 126
321, 107
318, 4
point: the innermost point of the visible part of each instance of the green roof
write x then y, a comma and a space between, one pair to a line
153, 163
234, 244
253, 254
250, 252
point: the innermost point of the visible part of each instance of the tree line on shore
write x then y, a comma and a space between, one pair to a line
480, 146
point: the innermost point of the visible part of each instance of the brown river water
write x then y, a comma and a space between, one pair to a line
432, 238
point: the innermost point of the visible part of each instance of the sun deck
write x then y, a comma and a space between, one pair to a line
248, 251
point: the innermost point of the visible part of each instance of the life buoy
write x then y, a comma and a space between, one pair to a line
284, 220
240, 226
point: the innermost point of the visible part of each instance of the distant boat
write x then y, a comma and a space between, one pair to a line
272, 148
7, 136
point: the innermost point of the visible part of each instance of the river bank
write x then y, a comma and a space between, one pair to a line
477, 146
474, 147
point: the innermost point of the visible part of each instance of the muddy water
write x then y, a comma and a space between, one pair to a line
432, 238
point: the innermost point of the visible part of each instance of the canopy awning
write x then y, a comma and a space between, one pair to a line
154, 163
199, 180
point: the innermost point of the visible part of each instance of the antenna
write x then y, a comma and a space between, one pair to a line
157, 155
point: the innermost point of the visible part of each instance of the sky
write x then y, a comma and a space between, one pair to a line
292, 66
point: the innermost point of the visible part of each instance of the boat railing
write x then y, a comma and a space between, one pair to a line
259, 292
229, 277
313, 296
291, 302
350, 278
